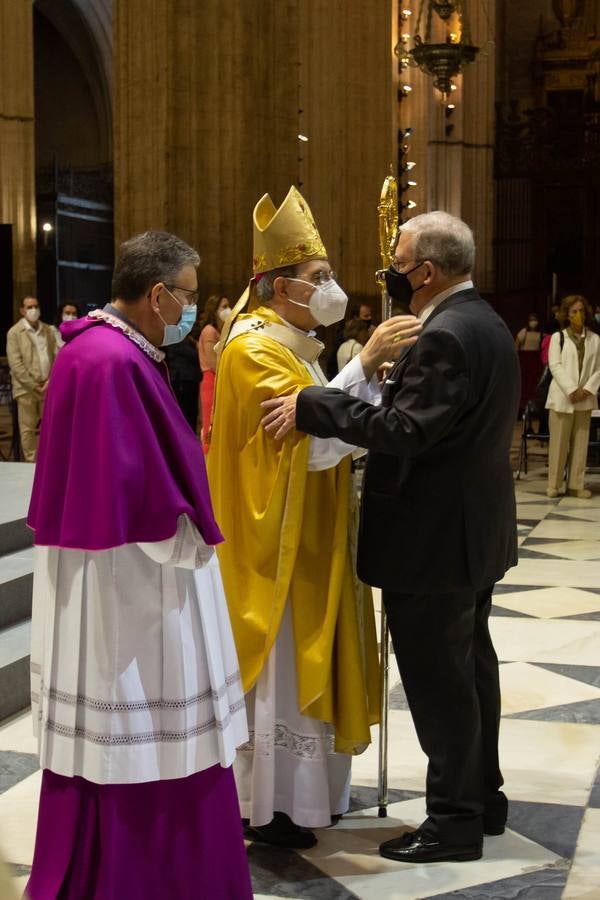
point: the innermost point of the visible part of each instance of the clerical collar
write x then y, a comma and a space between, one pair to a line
443, 295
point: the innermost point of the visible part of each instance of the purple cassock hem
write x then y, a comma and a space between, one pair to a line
178, 839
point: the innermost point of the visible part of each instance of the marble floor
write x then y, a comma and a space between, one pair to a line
546, 626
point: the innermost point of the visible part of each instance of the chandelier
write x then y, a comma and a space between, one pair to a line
444, 61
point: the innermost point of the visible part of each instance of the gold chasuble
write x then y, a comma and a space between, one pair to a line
289, 533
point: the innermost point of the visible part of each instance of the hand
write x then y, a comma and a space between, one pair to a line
387, 341
578, 395
383, 371
42, 388
281, 415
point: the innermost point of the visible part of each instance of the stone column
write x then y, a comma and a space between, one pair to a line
347, 81
205, 122
17, 161
209, 101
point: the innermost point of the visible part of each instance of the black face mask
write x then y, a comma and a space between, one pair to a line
398, 286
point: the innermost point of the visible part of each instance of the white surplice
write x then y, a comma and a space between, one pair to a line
134, 670
289, 764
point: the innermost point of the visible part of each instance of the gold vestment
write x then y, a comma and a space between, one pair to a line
290, 533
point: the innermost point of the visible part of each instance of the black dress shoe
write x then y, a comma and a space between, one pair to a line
417, 847
491, 828
280, 832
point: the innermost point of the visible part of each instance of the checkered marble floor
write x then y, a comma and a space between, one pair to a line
546, 627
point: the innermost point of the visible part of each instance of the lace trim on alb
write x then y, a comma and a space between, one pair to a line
118, 706
145, 737
133, 335
305, 746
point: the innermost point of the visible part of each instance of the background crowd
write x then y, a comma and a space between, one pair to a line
560, 378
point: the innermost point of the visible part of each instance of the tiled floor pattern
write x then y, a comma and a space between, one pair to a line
546, 626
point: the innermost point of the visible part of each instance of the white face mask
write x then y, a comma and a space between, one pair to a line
32, 314
225, 313
68, 317
327, 303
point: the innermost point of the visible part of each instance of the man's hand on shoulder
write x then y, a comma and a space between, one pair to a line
387, 342
281, 415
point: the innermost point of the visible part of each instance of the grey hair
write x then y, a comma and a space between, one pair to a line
147, 259
444, 239
264, 287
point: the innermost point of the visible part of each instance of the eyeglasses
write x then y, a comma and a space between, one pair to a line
194, 294
322, 276
397, 265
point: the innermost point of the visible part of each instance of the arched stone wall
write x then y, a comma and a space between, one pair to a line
85, 27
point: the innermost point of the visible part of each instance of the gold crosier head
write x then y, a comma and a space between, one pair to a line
388, 235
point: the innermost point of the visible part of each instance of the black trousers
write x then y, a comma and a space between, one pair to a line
449, 671
187, 397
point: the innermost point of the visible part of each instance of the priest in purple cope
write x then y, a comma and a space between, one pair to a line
136, 694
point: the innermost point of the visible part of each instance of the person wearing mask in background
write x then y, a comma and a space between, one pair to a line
31, 351
528, 342
359, 312
365, 314
66, 312
186, 376
356, 335
553, 323
216, 312
572, 395
303, 623
529, 338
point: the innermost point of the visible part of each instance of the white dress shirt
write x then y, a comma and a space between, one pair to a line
41, 345
424, 314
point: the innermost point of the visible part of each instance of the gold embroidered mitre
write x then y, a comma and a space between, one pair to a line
284, 236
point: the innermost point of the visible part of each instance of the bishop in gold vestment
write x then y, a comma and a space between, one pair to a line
303, 623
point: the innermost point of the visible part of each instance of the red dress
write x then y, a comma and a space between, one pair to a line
208, 335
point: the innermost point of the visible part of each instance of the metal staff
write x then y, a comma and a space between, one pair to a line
388, 230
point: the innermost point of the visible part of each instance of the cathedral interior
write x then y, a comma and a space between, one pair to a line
119, 116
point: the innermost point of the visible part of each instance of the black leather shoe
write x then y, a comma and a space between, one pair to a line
495, 813
492, 828
280, 832
416, 847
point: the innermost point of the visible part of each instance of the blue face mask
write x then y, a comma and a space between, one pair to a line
174, 334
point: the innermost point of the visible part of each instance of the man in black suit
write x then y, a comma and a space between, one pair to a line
438, 523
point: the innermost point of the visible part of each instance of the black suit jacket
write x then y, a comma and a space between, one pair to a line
438, 506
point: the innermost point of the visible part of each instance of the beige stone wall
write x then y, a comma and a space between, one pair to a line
209, 101
17, 188
347, 91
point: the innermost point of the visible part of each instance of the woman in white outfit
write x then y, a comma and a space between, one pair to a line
574, 360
